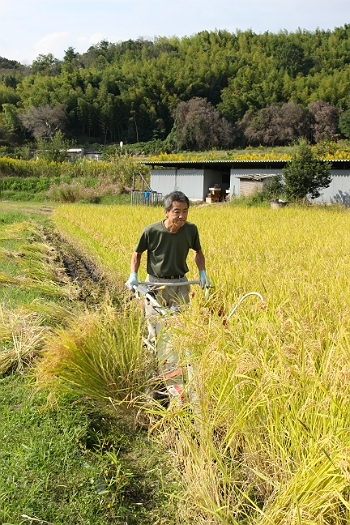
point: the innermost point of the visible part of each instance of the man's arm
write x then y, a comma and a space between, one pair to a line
199, 259
135, 262
200, 262
134, 266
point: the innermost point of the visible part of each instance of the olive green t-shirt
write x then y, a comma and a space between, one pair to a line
167, 252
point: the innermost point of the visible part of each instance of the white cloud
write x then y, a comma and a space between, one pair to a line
83, 42
95, 38
52, 43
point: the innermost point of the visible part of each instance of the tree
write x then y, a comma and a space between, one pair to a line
46, 64
54, 149
344, 123
324, 121
290, 56
10, 117
70, 55
44, 121
5, 63
306, 174
274, 125
70, 60
129, 90
199, 126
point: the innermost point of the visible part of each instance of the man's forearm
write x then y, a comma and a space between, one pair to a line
200, 260
135, 262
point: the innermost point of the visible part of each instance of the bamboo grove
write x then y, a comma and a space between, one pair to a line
128, 91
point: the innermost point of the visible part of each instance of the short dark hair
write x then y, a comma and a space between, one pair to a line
175, 196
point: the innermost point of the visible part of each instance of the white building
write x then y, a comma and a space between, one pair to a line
82, 153
236, 178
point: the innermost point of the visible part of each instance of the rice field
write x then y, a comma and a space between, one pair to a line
269, 440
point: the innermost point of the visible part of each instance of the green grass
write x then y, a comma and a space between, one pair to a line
45, 472
68, 460
71, 465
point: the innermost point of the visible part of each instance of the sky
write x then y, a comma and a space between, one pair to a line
29, 28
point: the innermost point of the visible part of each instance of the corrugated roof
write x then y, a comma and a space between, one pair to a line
200, 162
231, 162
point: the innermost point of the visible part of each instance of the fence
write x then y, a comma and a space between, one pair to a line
146, 198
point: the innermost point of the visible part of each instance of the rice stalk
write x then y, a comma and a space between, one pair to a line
99, 355
22, 335
266, 440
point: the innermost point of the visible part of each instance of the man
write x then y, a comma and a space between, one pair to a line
167, 243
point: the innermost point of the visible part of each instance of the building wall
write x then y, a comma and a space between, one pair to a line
236, 182
195, 182
339, 189
250, 186
189, 181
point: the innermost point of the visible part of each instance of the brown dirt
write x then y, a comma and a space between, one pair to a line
92, 284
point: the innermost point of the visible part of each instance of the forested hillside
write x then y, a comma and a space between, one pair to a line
244, 88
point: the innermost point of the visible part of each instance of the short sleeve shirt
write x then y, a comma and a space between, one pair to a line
167, 252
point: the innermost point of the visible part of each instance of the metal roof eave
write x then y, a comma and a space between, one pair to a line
231, 163
204, 163
167, 162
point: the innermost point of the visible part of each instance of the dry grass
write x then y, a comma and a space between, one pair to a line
22, 336
28, 270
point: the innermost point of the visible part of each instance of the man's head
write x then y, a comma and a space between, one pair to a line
176, 206
175, 196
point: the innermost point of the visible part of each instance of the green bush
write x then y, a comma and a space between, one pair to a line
30, 184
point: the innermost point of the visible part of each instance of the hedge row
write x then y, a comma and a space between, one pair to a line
120, 169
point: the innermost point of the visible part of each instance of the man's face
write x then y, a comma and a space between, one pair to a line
177, 216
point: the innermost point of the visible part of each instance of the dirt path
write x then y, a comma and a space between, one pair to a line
91, 283
26, 207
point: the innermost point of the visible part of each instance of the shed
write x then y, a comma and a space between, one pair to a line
236, 178
254, 183
196, 178
80, 153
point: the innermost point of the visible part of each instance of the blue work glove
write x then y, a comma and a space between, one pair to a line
132, 281
205, 283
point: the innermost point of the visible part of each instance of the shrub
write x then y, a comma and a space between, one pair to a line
80, 190
306, 174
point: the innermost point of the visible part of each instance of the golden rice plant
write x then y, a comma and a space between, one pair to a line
266, 439
99, 355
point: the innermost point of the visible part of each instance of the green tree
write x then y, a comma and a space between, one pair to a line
306, 174
53, 149
46, 64
5, 63
344, 123
290, 56
70, 55
11, 117
70, 60
129, 90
